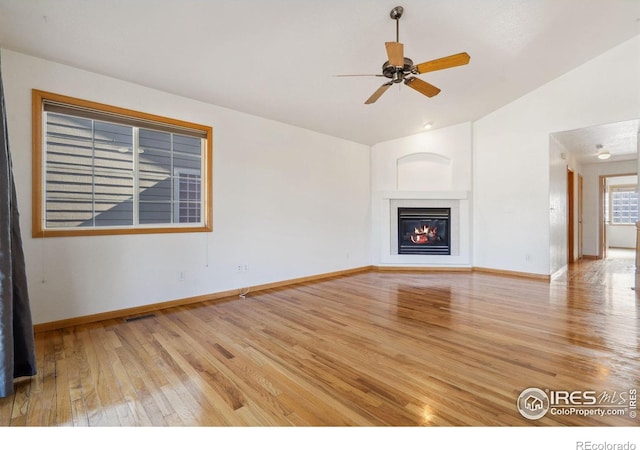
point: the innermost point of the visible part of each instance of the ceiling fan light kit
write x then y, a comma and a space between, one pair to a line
400, 69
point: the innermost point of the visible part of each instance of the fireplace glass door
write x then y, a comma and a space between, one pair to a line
424, 231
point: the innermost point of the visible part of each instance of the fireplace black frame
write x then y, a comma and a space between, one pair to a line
435, 220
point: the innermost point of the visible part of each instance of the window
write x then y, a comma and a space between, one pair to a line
187, 191
623, 205
99, 169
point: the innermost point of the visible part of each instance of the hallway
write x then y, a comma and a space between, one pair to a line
616, 271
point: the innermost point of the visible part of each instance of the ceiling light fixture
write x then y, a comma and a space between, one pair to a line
602, 154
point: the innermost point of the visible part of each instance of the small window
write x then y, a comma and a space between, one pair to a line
623, 203
99, 169
187, 193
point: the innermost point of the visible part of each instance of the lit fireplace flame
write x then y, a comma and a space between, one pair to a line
424, 235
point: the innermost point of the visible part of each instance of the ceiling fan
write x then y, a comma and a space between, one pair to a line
401, 69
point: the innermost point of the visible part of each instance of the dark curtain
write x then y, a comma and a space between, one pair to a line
17, 351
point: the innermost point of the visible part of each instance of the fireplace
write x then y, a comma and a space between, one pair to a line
424, 231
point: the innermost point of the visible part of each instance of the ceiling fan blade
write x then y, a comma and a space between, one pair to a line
395, 53
376, 95
361, 75
422, 86
459, 59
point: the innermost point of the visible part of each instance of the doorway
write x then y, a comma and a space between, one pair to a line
579, 150
571, 216
618, 213
580, 208
574, 217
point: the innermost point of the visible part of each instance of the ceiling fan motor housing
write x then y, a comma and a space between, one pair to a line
397, 74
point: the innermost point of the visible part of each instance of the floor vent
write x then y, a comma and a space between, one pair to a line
144, 316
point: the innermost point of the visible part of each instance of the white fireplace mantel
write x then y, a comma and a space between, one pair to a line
384, 211
424, 195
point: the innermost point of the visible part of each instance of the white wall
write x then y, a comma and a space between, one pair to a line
558, 206
287, 201
621, 236
511, 157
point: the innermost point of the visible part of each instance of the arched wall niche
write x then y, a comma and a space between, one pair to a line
424, 171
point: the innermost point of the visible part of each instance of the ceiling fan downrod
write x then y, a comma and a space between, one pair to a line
395, 14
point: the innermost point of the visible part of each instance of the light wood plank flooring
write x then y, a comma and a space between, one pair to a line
369, 349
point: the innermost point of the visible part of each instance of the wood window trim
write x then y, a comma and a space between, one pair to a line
37, 194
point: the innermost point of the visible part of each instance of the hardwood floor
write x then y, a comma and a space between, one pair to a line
370, 349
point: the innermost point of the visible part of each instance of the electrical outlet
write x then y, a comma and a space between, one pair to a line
181, 276
245, 268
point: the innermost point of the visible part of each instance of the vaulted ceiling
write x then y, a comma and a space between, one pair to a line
278, 58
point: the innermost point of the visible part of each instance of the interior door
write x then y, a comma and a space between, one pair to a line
570, 217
